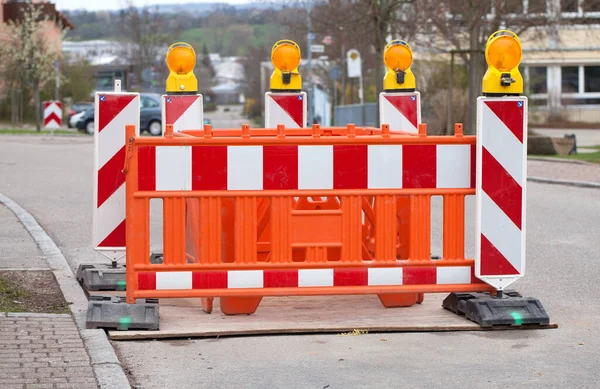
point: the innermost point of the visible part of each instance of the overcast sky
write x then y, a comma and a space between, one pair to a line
95, 5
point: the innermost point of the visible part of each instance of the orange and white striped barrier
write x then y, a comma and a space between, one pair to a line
501, 195
287, 109
266, 172
400, 110
114, 110
52, 114
184, 112
307, 167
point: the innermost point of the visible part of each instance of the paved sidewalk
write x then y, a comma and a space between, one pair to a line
564, 171
37, 350
42, 351
17, 249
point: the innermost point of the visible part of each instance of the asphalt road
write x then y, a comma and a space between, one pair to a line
52, 179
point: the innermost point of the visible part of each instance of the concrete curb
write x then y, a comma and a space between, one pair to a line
560, 160
580, 184
106, 365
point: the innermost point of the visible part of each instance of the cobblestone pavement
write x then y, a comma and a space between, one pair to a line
564, 171
42, 351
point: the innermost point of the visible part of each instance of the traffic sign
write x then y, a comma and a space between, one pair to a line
317, 48
354, 63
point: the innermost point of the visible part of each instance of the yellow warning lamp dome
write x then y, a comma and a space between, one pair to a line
397, 57
503, 54
181, 60
285, 56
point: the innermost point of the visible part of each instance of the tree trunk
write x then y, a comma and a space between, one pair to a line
474, 69
21, 109
379, 43
14, 107
36, 106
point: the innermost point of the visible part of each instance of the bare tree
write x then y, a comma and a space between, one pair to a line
145, 36
463, 26
28, 58
253, 87
364, 25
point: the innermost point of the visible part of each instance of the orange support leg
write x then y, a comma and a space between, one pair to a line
245, 252
239, 305
396, 300
207, 304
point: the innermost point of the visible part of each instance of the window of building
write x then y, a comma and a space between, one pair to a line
591, 6
579, 101
570, 79
580, 85
591, 76
536, 6
513, 6
538, 79
569, 5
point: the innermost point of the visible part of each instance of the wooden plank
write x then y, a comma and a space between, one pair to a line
183, 318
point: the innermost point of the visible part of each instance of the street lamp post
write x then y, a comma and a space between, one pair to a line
310, 78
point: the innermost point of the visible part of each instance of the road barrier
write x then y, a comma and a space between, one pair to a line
52, 114
291, 211
280, 212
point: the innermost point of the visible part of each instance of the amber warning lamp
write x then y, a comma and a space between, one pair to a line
285, 56
181, 60
397, 57
503, 54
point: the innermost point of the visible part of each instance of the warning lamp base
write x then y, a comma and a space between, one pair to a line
400, 90
289, 81
390, 81
111, 312
511, 309
95, 277
501, 94
285, 90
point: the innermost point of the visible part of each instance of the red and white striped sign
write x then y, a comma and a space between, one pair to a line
184, 112
288, 109
319, 167
303, 278
52, 114
113, 112
502, 175
401, 111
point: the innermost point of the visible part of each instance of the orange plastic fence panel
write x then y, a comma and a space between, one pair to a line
420, 227
138, 219
316, 254
279, 238
454, 226
281, 233
385, 227
352, 226
228, 233
403, 226
193, 231
304, 233
174, 218
263, 215
210, 230
245, 230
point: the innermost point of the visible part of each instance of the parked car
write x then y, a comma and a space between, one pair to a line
76, 109
150, 116
72, 123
